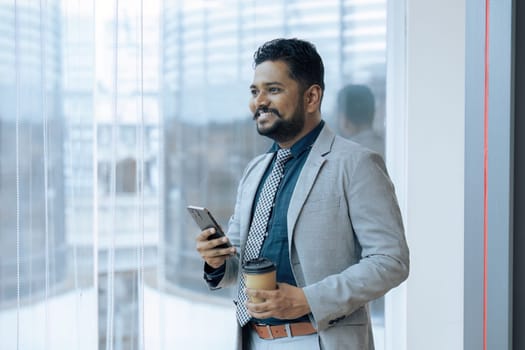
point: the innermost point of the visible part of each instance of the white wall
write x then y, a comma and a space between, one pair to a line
425, 140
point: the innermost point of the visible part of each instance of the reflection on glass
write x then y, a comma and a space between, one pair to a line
355, 115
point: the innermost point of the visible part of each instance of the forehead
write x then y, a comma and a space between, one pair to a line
272, 72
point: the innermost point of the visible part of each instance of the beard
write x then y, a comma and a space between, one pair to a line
283, 130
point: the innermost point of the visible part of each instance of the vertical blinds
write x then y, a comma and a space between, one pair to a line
113, 116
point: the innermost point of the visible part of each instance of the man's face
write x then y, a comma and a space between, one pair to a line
276, 102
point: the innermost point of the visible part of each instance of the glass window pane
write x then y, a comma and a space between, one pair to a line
112, 120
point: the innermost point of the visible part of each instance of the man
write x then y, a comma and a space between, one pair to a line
335, 231
355, 114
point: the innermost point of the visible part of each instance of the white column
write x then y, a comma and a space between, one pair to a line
425, 156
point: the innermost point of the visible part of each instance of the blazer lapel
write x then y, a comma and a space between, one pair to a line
250, 189
306, 180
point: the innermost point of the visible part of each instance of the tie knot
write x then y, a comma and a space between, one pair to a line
283, 154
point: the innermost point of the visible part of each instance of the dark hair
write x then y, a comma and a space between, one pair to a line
357, 104
304, 62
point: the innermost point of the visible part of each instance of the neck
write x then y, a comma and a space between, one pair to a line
311, 123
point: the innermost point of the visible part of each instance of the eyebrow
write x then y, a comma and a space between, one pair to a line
268, 84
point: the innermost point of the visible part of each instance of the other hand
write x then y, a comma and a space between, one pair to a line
285, 302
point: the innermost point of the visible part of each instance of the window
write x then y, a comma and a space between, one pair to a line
112, 119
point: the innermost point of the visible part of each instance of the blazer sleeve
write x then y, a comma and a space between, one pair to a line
237, 225
231, 270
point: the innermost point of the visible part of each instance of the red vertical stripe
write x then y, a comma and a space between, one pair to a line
485, 172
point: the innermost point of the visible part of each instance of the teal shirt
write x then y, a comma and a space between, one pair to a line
275, 246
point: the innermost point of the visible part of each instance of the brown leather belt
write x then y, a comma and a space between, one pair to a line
286, 330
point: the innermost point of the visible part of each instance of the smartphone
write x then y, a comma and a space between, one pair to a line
203, 218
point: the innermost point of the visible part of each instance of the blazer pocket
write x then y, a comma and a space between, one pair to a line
322, 204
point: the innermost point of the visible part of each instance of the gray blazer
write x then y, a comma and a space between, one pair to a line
346, 238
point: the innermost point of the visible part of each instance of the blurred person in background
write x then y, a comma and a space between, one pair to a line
355, 116
331, 223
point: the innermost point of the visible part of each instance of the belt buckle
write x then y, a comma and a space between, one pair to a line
288, 329
269, 328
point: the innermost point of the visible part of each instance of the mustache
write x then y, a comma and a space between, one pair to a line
266, 110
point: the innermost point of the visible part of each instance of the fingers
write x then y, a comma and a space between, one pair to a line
260, 294
209, 247
208, 250
285, 302
203, 236
265, 309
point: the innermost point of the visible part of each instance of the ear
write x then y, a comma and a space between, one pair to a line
312, 98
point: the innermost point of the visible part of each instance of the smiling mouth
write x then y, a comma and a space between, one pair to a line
265, 113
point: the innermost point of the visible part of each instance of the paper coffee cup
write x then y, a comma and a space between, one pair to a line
259, 273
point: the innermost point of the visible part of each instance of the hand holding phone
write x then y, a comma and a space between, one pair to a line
205, 220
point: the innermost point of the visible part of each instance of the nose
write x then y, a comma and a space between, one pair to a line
260, 100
